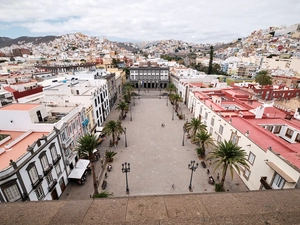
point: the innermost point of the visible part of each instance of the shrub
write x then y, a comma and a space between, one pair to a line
103, 194
219, 187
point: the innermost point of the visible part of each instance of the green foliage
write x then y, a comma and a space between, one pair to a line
171, 58
113, 128
211, 57
203, 139
194, 126
122, 106
2, 136
103, 194
219, 187
74, 48
109, 155
200, 152
228, 155
263, 78
86, 145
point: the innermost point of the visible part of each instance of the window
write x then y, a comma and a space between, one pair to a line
297, 139
200, 110
49, 178
277, 129
289, 133
206, 114
63, 136
58, 170
210, 130
33, 174
212, 121
251, 158
39, 192
221, 129
53, 152
45, 163
270, 128
234, 138
247, 173
219, 139
278, 182
12, 193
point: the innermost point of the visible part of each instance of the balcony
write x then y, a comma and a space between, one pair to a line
52, 185
40, 179
67, 142
48, 169
55, 161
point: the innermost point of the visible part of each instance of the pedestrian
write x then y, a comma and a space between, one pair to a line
208, 171
173, 185
105, 175
209, 162
218, 177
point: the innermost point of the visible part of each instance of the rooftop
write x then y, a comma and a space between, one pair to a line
19, 106
15, 151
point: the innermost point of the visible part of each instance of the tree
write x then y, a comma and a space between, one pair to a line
113, 128
211, 57
228, 155
127, 91
203, 139
122, 106
194, 126
127, 72
170, 88
86, 145
263, 78
175, 99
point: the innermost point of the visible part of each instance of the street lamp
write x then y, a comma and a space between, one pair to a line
193, 168
130, 113
126, 169
183, 135
125, 137
173, 112
167, 101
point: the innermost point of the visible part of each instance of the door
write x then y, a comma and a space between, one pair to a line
62, 184
54, 194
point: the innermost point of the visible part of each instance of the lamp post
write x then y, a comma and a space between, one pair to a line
125, 137
193, 168
167, 101
183, 135
130, 113
126, 169
173, 112
133, 101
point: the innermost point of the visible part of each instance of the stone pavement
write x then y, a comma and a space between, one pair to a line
156, 155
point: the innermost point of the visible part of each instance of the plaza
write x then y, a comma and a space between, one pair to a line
156, 155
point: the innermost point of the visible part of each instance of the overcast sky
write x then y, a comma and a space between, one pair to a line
197, 21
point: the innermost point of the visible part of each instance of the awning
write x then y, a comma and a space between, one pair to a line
281, 172
82, 164
76, 173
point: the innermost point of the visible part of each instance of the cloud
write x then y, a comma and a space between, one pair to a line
201, 21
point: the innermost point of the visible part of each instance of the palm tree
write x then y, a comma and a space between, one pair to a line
203, 139
171, 87
227, 154
86, 145
194, 126
122, 106
176, 99
263, 78
113, 128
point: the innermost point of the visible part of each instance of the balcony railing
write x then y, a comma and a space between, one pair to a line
40, 179
52, 185
55, 161
48, 169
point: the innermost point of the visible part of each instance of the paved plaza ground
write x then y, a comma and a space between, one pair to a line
156, 155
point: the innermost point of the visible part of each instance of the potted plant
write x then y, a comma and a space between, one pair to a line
201, 153
110, 155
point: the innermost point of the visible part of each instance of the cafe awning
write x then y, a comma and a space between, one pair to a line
283, 174
82, 164
76, 173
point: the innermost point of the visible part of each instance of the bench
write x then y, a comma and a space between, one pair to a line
104, 184
203, 164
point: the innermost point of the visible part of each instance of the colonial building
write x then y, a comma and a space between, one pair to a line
270, 137
149, 75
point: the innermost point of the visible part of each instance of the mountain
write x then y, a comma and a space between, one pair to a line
6, 42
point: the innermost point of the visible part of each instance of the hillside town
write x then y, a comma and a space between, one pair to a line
54, 93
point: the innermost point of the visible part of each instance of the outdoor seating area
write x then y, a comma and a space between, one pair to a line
80, 171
